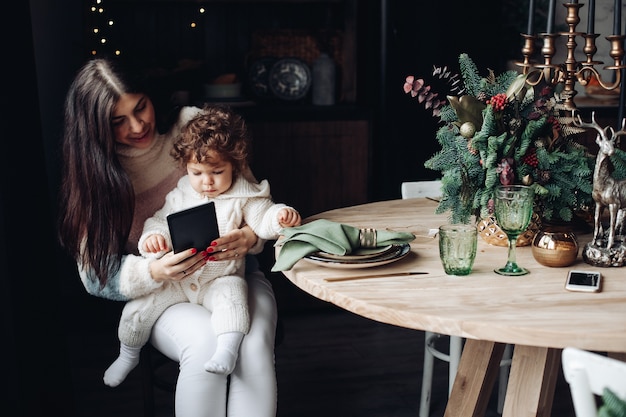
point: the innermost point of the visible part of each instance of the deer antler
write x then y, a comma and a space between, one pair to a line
622, 131
578, 122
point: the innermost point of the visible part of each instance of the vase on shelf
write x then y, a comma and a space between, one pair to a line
323, 81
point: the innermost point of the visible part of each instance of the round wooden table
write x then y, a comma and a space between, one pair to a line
533, 312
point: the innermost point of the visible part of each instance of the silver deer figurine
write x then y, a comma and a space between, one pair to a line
607, 191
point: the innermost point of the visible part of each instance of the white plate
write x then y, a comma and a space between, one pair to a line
359, 254
398, 252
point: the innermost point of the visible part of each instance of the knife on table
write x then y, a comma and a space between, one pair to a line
354, 277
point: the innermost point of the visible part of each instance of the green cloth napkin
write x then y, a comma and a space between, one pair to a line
327, 236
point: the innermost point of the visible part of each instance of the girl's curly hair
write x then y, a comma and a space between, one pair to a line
215, 129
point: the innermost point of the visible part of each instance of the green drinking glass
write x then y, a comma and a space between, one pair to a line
457, 248
513, 211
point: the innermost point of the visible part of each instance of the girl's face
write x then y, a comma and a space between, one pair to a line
133, 121
211, 178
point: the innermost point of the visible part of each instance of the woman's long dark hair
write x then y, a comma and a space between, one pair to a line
96, 198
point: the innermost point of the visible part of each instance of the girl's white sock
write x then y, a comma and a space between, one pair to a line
225, 357
126, 362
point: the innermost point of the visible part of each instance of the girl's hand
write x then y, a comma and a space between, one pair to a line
155, 243
176, 266
288, 217
234, 244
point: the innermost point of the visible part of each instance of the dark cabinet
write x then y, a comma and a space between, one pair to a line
313, 165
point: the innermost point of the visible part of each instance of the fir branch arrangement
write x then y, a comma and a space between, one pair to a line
497, 130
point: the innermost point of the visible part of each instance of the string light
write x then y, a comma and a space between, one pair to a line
194, 25
101, 25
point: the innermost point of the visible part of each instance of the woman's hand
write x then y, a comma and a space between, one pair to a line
176, 266
234, 244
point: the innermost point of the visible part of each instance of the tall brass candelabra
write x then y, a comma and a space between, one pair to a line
571, 70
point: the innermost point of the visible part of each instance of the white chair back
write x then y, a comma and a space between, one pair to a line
414, 189
587, 374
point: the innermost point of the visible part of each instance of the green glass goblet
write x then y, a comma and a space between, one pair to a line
513, 211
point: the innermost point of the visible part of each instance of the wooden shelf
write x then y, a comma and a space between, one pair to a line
188, 47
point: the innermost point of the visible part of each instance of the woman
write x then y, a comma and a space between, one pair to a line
117, 171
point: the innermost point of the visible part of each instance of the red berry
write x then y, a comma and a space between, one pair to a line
498, 102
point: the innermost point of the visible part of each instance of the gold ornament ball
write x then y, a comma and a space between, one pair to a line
527, 180
467, 130
555, 248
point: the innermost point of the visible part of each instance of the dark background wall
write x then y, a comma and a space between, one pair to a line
418, 36
36, 363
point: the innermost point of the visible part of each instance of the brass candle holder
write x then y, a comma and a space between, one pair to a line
571, 71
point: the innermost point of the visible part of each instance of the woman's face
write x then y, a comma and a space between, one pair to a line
133, 121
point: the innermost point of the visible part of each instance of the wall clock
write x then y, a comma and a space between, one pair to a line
290, 79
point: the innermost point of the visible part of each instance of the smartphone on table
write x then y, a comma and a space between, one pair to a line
586, 281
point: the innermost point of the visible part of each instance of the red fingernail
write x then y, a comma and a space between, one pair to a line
204, 254
209, 249
211, 258
193, 251
213, 243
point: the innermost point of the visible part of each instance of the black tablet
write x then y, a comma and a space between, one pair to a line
193, 228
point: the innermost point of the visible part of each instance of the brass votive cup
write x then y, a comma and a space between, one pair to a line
555, 248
